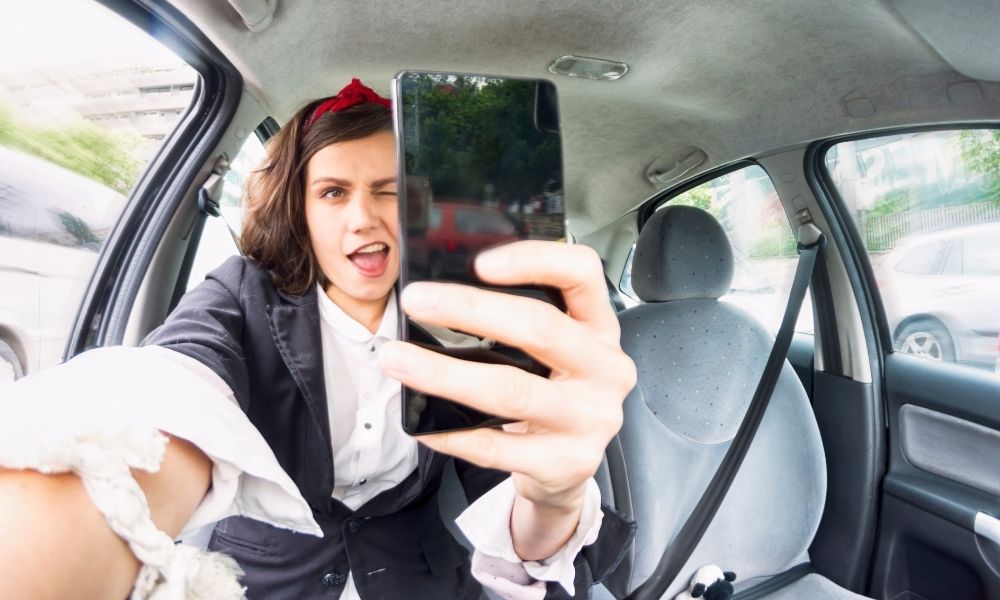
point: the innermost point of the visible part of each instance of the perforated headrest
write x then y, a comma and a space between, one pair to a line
682, 253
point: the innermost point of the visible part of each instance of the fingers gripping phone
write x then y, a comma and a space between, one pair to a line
480, 165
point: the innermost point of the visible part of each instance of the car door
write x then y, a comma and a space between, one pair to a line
939, 536
90, 128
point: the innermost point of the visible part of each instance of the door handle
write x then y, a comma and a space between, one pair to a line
987, 526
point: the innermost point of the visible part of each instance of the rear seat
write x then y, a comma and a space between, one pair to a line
699, 361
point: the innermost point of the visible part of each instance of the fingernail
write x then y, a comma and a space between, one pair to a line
492, 261
419, 296
393, 358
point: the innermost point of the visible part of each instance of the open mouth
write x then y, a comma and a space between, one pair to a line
371, 260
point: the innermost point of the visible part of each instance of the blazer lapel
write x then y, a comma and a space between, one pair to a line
295, 327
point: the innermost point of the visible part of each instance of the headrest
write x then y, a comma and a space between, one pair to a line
682, 253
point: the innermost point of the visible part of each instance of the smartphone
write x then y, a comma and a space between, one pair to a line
480, 165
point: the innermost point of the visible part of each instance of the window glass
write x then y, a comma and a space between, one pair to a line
927, 206
434, 218
764, 249
953, 259
498, 223
981, 256
467, 221
923, 259
218, 239
85, 102
482, 221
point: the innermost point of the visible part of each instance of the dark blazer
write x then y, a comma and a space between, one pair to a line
266, 345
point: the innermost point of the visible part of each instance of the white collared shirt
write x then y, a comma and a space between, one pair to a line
371, 453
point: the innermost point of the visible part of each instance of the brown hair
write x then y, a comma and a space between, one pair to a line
275, 234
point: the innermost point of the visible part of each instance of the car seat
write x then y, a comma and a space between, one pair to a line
699, 361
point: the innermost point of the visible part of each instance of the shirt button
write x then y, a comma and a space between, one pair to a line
371, 348
354, 525
368, 425
363, 481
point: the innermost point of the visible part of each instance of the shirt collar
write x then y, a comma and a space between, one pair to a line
342, 323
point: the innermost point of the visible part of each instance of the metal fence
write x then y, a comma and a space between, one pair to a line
773, 242
881, 232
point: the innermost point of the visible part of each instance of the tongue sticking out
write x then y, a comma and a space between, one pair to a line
370, 263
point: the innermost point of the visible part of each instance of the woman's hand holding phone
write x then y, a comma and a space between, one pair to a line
562, 423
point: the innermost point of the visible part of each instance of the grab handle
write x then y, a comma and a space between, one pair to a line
988, 526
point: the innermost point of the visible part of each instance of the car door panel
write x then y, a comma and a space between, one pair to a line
850, 424
944, 431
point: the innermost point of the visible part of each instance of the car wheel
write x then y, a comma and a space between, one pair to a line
11, 368
927, 339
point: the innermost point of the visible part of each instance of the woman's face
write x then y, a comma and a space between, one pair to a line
351, 213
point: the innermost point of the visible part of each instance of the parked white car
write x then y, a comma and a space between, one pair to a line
52, 225
941, 292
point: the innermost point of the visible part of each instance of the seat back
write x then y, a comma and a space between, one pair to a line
699, 361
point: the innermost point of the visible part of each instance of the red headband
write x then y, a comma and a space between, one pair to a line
353, 94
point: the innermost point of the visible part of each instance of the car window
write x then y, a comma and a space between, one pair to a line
484, 221
927, 206
219, 237
924, 259
764, 250
79, 121
434, 218
981, 255
496, 222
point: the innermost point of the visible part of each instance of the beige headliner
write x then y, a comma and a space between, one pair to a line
735, 79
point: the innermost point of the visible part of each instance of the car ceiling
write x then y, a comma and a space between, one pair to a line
733, 79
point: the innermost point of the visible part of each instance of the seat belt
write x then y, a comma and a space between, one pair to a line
208, 206
810, 245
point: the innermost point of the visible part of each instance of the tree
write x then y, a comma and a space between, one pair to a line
78, 228
474, 132
82, 147
982, 154
699, 197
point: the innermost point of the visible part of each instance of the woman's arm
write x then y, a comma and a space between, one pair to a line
539, 530
562, 423
55, 544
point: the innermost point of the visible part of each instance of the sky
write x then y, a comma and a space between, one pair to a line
60, 33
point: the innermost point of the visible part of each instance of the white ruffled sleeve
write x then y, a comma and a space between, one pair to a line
495, 563
114, 389
103, 412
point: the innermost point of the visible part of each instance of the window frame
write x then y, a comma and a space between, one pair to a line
847, 234
167, 179
263, 133
824, 315
653, 204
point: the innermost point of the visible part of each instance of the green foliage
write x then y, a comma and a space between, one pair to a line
78, 228
464, 124
896, 201
82, 147
982, 155
699, 197
772, 242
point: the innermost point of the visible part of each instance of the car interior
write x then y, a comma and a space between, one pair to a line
874, 471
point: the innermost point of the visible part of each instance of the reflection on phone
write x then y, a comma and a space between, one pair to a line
480, 165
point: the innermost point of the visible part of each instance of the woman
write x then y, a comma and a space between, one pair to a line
300, 334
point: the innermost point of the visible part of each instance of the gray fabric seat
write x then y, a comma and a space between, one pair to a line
699, 361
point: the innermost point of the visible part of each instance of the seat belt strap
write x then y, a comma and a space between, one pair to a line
677, 553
